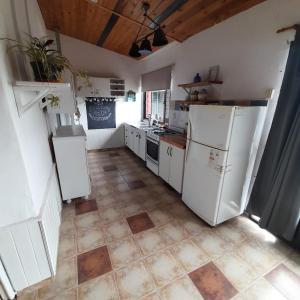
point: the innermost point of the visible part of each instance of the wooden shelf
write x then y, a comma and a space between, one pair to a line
198, 84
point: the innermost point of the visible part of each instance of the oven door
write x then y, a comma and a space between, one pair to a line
152, 150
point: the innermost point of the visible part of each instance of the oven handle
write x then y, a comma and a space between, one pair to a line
153, 141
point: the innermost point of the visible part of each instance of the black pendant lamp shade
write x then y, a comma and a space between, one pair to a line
134, 50
145, 47
159, 38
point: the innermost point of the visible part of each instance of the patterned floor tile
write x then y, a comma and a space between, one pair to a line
173, 232
211, 283
140, 222
67, 246
136, 184
109, 168
90, 220
123, 252
84, 206
110, 214
66, 278
285, 281
93, 263
89, 238
189, 255
180, 289
150, 241
163, 267
134, 281
116, 230
102, 287
262, 290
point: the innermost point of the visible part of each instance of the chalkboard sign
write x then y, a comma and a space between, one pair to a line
101, 113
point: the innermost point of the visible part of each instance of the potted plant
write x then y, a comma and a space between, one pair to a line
47, 64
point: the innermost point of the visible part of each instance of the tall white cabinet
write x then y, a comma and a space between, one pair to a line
171, 164
135, 140
71, 158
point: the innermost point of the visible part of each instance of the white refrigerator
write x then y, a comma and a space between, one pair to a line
219, 158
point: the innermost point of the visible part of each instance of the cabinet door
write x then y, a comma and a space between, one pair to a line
131, 138
176, 168
142, 149
126, 135
164, 160
136, 141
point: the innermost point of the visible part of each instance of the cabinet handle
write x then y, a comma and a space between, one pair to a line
168, 151
171, 151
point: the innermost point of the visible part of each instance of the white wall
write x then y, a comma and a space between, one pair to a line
25, 155
252, 56
99, 62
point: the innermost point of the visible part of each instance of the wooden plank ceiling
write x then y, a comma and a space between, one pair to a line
96, 23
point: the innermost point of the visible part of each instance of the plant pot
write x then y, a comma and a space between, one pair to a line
40, 73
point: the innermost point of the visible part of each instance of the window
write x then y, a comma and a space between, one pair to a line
155, 105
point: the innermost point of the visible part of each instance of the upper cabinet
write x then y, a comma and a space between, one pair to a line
101, 87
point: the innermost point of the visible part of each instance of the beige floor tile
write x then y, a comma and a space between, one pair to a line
258, 257
236, 270
67, 246
150, 241
88, 220
163, 267
102, 287
189, 255
106, 201
160, 216
293, 262
67, 227
193, 225
173, 232
66, 277
27, 295
132, 209
231, 234
116, 230
262, 290
152, 296
110, 214
180, 289
212, 244
89, 238
67, 295
123, 252
134, 281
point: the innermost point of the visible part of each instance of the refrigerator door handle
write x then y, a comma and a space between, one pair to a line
168, 151
187, 148
190, 129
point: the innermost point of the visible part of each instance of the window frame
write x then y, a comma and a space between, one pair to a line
164, 103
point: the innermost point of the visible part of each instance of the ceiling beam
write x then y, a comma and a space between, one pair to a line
127, 18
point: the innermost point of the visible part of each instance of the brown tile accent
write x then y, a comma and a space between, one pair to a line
109, 168
83, 206
285, 281
211, 283
137, 184
140, 222
93, 264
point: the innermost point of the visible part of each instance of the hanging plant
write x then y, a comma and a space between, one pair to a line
54, 100
47, 64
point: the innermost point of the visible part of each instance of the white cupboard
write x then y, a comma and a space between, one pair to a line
171, 164
135, 140
71, 157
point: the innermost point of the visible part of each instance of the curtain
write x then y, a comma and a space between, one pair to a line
275, 196
157, 80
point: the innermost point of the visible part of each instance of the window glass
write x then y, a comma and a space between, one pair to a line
155, 104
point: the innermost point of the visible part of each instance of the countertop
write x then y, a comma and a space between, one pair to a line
178, 140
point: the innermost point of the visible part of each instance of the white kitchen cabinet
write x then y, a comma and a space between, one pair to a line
142, 144
71, 157
171, 164
135, 140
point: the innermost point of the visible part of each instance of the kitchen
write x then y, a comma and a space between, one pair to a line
147, 170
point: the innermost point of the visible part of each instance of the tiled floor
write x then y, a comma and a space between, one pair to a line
135, 239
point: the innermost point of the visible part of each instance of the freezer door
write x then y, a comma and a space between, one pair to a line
211, 125
203, 177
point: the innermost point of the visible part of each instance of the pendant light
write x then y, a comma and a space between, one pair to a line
145, 48
159, 38
134, 50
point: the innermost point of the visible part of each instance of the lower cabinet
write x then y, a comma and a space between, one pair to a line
135, 140
171, 164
